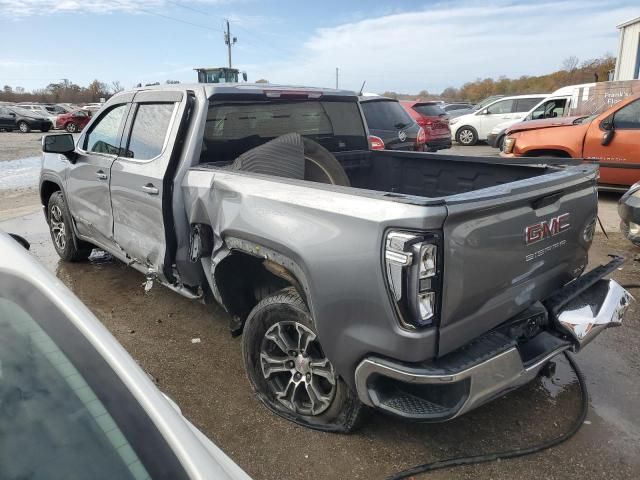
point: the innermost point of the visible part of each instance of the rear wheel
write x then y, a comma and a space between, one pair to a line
467, 136
24, 127
67, 245
500, 143
71, 127
288, 369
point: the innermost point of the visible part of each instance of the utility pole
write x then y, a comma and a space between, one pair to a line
229, 41
336, 78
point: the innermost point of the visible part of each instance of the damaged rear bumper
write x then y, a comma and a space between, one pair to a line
494, 364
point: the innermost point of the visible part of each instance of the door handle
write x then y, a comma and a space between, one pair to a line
101, 175
150, 189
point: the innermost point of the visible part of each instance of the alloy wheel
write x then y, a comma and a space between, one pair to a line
296, 370
57, 227
466, 136
24, 128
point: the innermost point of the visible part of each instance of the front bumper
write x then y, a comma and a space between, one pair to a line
495, 363
492, 139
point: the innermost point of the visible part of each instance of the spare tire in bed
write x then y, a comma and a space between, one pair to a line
293, 156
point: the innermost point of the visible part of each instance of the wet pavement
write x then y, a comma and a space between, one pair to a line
207, 380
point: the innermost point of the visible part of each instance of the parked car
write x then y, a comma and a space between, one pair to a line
355, 276
469, 129
7, 119
454, 107
556, 105
40, 110
610, 138
73, 121
629, 211
27, 120
433, 119
390, 124
74, 403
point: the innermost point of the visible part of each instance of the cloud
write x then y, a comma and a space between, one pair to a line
25, 8
449, 44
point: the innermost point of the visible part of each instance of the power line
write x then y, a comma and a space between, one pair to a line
150, 12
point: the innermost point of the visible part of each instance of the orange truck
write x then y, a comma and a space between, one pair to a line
611, 138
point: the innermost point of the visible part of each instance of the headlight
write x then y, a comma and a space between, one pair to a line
453, 121
413, 276
634, 229
509, 143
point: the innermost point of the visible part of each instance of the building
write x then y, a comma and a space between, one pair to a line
628, 61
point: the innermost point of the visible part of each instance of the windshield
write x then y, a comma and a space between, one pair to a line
64, 412
234, 128
385, 115
486, 102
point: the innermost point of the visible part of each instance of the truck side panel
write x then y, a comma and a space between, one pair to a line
321, 230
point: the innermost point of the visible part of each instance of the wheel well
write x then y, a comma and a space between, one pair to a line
547, 153
47, 189
243, 280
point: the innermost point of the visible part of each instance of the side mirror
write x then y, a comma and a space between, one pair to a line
63, 144
244, 76
607, 137
11, 114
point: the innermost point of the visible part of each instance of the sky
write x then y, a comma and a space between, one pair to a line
403, 46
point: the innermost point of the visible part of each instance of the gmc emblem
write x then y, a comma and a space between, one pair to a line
546, 229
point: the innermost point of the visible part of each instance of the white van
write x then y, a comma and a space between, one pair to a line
469, 129
559, 104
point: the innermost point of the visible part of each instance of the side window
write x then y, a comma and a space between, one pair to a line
525, 104
104, 135
503, 106
149, 130
628, 117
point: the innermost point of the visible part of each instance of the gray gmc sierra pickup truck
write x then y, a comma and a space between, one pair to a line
420, 284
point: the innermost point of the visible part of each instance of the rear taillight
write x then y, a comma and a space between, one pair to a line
413, 276
422, 137
375, 143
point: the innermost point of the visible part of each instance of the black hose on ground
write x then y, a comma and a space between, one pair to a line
517, 452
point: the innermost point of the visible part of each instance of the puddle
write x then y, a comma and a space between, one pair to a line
20, 173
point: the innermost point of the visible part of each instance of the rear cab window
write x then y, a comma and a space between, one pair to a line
385, 115
234, 127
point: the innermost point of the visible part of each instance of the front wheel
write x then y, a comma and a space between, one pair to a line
288, 370
67, 245
71, 128
467, 136
24, 127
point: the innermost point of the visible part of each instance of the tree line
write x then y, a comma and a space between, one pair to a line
65, 91
573, 72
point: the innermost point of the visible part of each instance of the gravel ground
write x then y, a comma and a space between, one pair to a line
207, 381
15, 145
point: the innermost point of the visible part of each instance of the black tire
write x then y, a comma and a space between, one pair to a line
71, 127
467, 136
500, 142
67, 245
321, 166
24, 127
340, 411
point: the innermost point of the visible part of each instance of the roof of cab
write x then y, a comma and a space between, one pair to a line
246, 88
